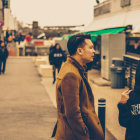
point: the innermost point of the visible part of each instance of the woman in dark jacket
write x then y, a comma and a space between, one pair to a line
56, 58
129, 110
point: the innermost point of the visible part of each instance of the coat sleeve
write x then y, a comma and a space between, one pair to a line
64, 56
70, 91
124, 114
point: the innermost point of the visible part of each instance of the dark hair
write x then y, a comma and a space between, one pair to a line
59, 46
75, 41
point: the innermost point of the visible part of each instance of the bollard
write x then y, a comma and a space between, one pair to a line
101, 112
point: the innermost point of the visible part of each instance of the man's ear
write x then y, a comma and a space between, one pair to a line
79, 51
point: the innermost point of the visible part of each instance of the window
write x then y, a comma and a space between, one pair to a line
133, 45
125, 3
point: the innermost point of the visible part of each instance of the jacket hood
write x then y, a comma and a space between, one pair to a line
137, 80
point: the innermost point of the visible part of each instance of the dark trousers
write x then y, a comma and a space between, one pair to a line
2, 65
54, 72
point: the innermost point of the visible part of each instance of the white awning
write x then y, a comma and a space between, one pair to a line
122, 19
41, 35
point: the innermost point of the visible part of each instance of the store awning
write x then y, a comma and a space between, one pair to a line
119, 20
107, 31
94, 34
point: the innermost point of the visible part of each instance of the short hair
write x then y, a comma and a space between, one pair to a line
75, 41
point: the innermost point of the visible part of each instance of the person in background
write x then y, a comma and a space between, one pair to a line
3, 57
56, 58
129, 110
7, 35
77, 119
137, 47
19, 38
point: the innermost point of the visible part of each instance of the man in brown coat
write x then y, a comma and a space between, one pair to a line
77, 119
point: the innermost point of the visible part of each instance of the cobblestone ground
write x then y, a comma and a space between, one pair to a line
26, 112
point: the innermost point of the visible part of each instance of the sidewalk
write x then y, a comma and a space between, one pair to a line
26, 112
102, 89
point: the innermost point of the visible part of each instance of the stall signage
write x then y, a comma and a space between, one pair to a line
1, 23
38, 43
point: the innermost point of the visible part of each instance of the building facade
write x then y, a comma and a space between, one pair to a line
1, 18
116, 13
112, 14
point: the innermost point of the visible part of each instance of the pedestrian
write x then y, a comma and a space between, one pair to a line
3, 57
77, 119
19, 38
56, 58
7, 35
129, 110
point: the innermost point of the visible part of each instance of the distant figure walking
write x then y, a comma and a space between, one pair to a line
56, 57
129, 110
3, 57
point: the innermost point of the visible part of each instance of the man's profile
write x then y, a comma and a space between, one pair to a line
77, 119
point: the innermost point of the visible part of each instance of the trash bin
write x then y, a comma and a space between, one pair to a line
118, 62
117, 73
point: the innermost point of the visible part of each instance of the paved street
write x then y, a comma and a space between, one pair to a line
28, 103
26, 112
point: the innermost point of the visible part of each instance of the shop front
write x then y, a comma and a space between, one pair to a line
132, 58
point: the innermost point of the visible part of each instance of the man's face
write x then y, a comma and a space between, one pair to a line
87, 52
2, 44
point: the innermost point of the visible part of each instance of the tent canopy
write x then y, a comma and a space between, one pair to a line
94, 34
121, 19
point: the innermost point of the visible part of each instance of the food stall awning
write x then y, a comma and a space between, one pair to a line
94, 34
113, 21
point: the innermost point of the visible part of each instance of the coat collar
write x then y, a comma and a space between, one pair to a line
83, 73
77, 64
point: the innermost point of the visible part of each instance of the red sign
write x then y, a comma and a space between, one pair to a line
38, 43
1, 23
28, 38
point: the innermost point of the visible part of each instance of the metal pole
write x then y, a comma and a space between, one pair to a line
130, 80
101, 112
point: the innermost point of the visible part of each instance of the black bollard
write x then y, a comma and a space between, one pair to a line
101, 112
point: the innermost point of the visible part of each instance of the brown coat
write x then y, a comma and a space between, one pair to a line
77, 119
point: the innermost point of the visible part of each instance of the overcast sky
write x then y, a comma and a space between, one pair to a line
53, 12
